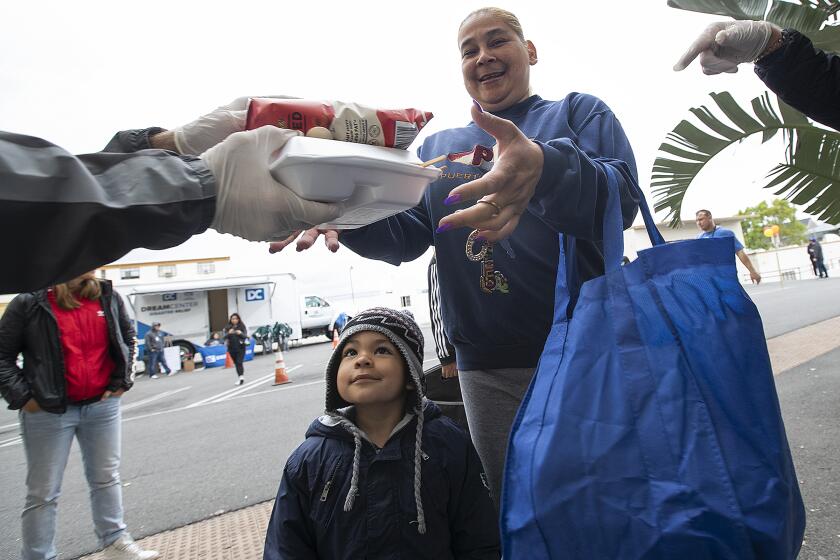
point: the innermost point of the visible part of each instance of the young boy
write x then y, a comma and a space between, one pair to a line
382, 474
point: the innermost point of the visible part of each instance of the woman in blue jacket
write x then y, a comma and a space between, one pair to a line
548, 189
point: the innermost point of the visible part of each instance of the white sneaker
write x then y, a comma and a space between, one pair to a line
155, 376
170, 374
124, 548
241, 380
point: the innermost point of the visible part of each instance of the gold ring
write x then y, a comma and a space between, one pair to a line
469, 249
494, 205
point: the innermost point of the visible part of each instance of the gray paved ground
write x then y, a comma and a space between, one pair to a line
810, 398
797, 304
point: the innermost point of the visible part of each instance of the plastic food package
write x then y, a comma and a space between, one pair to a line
371, 182
347, 122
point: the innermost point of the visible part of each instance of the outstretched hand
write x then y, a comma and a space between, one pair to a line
503, 194
250, 203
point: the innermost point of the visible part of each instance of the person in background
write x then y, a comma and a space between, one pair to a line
444, 389
815, 253
802, 75
709, 229
236, 339
214, 340
154, 344
78, 344
444, 349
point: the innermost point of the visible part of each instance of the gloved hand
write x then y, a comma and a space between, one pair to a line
726, 44
249, 202
206, 131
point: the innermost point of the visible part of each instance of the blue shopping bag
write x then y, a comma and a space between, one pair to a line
652, 428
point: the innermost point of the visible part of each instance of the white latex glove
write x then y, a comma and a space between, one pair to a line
206, 131
249, 202
726, 44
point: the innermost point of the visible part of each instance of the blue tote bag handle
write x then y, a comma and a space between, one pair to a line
613, 223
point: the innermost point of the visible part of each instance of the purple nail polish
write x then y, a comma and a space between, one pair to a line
452, 199
443, 227
478, 106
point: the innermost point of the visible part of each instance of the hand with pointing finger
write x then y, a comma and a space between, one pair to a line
503, 194
725, 44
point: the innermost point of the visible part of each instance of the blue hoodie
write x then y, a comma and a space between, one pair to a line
309, 520
578, 136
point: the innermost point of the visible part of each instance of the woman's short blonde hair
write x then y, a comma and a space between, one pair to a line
508, 17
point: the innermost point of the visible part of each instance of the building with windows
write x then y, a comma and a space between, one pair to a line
128, 273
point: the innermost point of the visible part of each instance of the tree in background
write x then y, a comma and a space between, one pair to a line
780, 212
810, 173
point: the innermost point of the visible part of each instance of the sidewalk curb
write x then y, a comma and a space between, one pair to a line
232, 535
803, 345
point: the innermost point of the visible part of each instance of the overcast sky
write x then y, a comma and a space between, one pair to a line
76, 72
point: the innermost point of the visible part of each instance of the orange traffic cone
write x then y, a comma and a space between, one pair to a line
335, 338
280, 376
228, 360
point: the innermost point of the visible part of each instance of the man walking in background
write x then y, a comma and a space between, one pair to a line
709, 229
154, 346
815, 253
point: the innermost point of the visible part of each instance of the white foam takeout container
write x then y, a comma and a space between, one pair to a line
372, 182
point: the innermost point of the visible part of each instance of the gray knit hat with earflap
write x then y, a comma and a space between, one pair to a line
403, 332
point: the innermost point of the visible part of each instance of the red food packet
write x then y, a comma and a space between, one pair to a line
348, 122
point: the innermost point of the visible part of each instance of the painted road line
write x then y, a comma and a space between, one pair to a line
7, 426
224, 393
280, 388
153, 398
10, 442
288, 387
239, 388
253, 385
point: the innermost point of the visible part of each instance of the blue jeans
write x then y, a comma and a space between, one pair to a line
47, 439
156, 358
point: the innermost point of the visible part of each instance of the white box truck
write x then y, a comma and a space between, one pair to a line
189, 311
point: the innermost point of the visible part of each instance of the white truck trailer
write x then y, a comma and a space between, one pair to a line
189, 311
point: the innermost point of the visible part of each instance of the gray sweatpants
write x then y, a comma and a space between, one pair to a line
491, 400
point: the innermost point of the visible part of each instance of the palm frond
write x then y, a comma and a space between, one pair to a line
736, 9
811, 173
803, 17
827, 38
829, 6
695, 146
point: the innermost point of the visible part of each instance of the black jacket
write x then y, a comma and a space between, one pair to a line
805, 78
444, 348
309, 521
68, 214
236, 342
29, 327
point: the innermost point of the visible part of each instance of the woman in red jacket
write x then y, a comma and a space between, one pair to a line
78, 346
